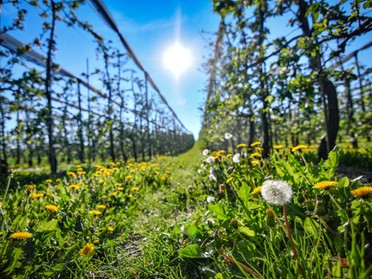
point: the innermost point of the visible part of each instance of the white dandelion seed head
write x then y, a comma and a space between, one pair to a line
236, 158
210, 160
212, 170
276, 192
205, 152
212, 177
228, 136
210, 199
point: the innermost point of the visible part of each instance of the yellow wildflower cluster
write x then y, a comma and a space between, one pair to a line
242, 145
95, 212
325, 184
255, 155
102, 170
256, 190
51, 207
88, 250
74, 186
20, 235
71, 174
362, 191
255, 143
36, 195
299, 147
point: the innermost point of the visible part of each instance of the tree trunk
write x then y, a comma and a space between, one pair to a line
80, 128
327, 89
263, 89
48, 93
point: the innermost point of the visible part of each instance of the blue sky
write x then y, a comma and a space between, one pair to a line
150, 27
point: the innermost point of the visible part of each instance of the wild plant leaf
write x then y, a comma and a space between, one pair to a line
311, 227
247, 231
45, 226
343, 182
219, 210
190, 251
243, 192
332, 162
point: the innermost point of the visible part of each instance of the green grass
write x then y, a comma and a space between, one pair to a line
169, 219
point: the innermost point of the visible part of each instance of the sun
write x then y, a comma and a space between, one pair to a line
177, 59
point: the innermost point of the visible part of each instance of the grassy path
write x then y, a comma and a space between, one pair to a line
152, 247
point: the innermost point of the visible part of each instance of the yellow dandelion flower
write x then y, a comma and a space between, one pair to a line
256, 190
134, 188
88, 250
96, 241
36, 195
228, 156
71, 174
51, 207
362, 191
277, 147
220, 152
229, 180
259, 149
102, 181
31, 187
255, 143
58, 180
95, 212
20, 235
325, 184
241, 145
120, 188
48, 181
255, 155
255, 162
110, 229
128, 177
113, 194
101, 206
73, 187
81, 172
299, 147
112, 164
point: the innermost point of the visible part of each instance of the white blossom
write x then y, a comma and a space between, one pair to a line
205, 152
228, 136
210, 199
283, 70
276, 192
236, 158
210, 160
212, 177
